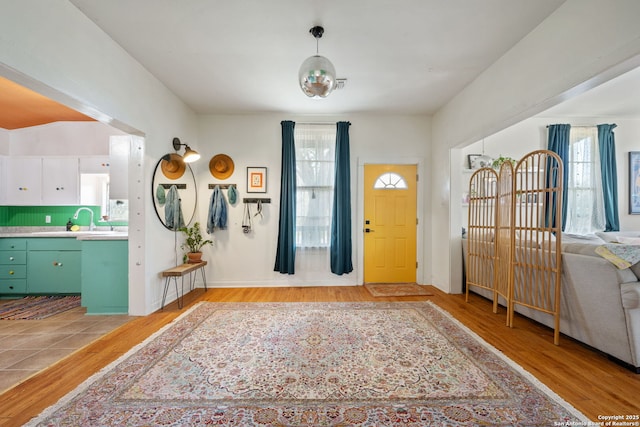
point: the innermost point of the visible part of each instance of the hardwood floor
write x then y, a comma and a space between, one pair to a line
583, 377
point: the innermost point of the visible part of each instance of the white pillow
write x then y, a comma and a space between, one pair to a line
629, 240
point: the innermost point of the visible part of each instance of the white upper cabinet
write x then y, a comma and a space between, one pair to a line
24, 180
119, 147
98, 164
60, 181
42, 181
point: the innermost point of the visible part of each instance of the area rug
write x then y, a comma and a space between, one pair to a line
312, 364
37, 307
395, 289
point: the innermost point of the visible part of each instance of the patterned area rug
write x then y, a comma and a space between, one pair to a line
312, 364
395, 289
37, 307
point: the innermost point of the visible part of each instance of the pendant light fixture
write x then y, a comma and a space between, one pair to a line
317, 76
189, 155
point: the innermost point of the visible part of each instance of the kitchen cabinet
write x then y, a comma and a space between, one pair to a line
24, 180
13, 266
53, 266
98, 164
42, 181
119, 147
60, 181
105, 276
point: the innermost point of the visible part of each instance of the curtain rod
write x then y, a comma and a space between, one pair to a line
315, 123
583, 126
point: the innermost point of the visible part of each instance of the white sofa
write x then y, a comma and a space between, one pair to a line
600, 303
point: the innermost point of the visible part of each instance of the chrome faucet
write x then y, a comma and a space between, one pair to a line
75, 216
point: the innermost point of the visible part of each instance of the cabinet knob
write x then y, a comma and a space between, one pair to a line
11, 258
11, 272
57, 264
10, 287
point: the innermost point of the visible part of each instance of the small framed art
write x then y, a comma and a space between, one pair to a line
477, 161
256, 180
471, 160
634, 182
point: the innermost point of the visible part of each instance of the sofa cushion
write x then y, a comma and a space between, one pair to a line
582, 238
630, 274
635, 268
612, 236
629, 240
581, 248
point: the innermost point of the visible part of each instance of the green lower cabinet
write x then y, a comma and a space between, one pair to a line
105, 276
53, 266
13, 266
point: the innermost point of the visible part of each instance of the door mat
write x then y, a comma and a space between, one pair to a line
40, 307
396, 289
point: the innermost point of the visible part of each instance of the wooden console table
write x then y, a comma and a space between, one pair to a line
181, 271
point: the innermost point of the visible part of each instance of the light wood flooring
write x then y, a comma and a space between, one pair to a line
585, 378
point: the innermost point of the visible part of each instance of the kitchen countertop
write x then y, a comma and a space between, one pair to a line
79, 235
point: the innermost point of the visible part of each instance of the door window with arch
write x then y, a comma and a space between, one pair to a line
390, 181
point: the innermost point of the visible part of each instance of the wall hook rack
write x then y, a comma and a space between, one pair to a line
222, 186
256, 200
178, 186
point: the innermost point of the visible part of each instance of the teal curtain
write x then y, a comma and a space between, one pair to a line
340, 250
607, 147
286, 251
558, 142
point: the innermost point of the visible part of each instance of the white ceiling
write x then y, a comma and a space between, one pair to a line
241, 56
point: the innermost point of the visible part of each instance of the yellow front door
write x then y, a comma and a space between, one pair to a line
390, 217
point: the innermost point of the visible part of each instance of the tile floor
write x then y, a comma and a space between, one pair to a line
28, 346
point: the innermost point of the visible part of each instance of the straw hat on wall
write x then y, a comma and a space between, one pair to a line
174, 167
221, 166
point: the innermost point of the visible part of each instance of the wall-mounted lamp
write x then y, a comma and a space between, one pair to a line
189, 154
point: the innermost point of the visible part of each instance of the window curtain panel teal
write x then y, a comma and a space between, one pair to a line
340, 250
558, 142
608, 170
286, 250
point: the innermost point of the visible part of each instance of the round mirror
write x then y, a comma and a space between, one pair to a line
174, 192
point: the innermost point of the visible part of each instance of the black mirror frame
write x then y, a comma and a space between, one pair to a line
154, 184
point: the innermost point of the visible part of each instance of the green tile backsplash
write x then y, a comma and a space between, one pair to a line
35, 216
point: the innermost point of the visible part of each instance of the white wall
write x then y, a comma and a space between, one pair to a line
239, 259
4, 142
62, 139
557, 60
531, 134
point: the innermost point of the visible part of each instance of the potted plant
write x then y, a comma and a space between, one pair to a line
500, 160
194, 242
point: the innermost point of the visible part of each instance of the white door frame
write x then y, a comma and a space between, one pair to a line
359, 220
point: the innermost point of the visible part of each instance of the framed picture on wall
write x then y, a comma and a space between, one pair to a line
256, 180
477, 161
634, 182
